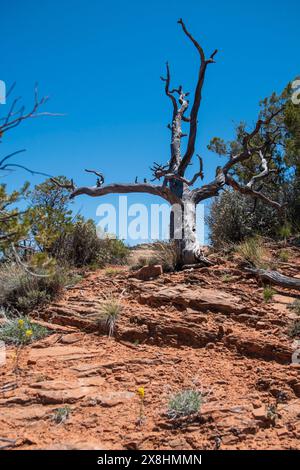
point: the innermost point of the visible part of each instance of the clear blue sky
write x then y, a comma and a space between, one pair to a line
100, 62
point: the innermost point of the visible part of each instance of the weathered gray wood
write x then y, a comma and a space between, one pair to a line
276, 278
176, 187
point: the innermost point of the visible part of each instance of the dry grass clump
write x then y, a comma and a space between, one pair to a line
253, 251
109, 314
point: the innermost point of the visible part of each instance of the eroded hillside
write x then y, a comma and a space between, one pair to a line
208, 329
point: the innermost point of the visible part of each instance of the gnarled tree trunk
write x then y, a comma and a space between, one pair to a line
175, 187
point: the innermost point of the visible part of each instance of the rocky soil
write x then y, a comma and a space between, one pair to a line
207, 329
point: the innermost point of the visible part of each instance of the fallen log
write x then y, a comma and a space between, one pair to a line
274, 277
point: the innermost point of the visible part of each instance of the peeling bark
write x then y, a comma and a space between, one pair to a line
276, 278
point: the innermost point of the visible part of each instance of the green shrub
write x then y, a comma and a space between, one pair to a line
234, 217
184, 403
80, 246
20, 331
61, 414
22, 291
268, 293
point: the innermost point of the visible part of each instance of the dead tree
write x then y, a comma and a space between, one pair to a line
175, 187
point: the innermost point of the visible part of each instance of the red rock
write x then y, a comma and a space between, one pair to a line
296, 388
148, 272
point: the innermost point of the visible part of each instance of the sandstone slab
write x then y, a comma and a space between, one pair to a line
196, 298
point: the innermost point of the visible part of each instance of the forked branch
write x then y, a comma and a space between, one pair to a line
197, 99
16, 115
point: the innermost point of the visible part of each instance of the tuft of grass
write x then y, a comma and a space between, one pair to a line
111, 272
285, 231
268, 293
21, 330
167, 254
283, 255
110, 311
227, 278
164, 253
294, 330
184, 403
252, 251
61, 414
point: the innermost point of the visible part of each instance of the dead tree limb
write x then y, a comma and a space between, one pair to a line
119, 188
275, 277
176, 187
14, 117
197, 99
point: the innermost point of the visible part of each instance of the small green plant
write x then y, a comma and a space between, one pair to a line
61, 414
272, 413
283, 255
268, 293
295, 307
110, 311
285, 231
184, 403
294, 330
227, 278
20, 331
252, 251
111, 272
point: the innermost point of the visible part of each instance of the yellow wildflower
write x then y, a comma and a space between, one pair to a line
20, 323
141, 392
28, 333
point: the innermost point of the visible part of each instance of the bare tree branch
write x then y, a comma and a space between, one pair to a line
160, 171
250, 192
100, 179
13, 119
265, 171
119, 188
9, 166
10, 156
211, 189
248, 151
167, 90
197, 100
178, 115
